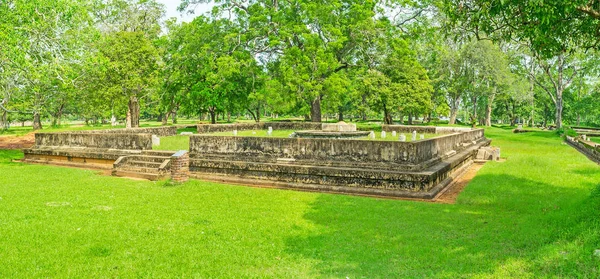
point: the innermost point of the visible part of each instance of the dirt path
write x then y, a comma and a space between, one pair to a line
458, 185
17, 142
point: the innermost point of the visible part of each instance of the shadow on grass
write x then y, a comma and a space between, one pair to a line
524, 231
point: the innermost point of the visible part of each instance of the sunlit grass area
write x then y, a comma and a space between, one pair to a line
173, 143
533, 216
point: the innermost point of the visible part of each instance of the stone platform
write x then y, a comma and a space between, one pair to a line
124, 152
418, 169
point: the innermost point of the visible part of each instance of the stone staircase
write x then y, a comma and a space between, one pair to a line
151, 165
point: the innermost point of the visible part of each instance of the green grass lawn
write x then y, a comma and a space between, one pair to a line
596, 140
173, 143
534, 216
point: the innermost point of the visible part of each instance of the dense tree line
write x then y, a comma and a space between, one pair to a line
99, 60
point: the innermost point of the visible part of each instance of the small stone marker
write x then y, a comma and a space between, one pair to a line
372, 135
584, 137
393, 133
254, 132
383, 134
520, 126
155, 140
186, 133
234, 133
113, 121
414, 136
269, 132
402, 137
422, 137
270, 129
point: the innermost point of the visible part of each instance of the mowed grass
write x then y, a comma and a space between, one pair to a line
534, 216
173, 143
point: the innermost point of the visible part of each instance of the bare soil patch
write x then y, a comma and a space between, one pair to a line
17, 142
450, 194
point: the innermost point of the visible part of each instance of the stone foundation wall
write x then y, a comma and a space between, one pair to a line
158, 131
334, 152
408, 129
293, 175
444, 146
216, 128
423, 129
591, 150
94, 140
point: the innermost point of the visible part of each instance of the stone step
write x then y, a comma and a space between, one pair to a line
143, 164
133, 174
159, 153
153, 159
138, 169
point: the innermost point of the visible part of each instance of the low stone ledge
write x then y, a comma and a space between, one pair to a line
162, 131
424, 129
589, 149
216, 128
94, 140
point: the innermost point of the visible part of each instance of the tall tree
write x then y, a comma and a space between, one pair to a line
131, 70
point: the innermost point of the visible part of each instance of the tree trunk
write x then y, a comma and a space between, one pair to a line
37, 121
58, 115
410, 119
257, 119
387, 117
4, 120
559, 110
133, 113
213, 117
174, 116
453, 113
315, 110
474, 100
488, 111
453, 110
228, 116
165, 119
340, 114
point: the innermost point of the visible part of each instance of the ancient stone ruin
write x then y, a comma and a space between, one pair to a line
416, 169
585, 146
125, 152
340, 130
